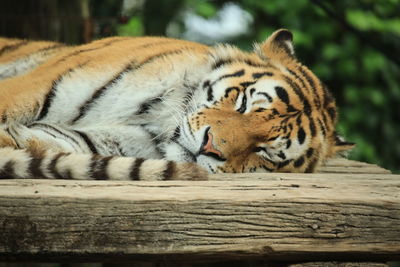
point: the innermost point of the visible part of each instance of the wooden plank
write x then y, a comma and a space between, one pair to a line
340, 264
342, 165
249, 216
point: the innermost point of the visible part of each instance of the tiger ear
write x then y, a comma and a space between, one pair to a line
280, 43
341, 146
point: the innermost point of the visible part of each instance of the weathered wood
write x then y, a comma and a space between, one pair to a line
339, 264
342, 165
232, 216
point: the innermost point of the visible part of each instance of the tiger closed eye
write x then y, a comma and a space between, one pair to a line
258, 149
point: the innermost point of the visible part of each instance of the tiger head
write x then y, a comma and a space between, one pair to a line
262, 111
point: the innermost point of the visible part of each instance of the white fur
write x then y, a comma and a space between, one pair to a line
77, 164
19, 158
152, 169
119, 168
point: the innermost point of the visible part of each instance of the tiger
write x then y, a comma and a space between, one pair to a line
155, 108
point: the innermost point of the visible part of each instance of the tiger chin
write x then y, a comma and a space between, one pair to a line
152, 108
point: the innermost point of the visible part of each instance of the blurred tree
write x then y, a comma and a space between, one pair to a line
44, 19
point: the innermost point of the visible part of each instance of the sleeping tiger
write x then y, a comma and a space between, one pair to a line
151, 108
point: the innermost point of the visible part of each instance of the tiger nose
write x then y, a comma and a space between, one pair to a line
208, 149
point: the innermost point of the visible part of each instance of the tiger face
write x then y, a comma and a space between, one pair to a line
261, 111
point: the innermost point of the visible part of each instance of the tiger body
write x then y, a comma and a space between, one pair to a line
152, 108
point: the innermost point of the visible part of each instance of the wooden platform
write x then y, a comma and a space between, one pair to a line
349, 211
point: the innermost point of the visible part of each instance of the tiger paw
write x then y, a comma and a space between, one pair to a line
6, 140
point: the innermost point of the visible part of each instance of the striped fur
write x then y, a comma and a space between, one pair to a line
154, 108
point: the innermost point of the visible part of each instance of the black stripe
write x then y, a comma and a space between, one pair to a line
45, 49
282, 94
266, 96
258, 75
290, 109
52, 92
310, 152
239, 73
311, 82
47, 126
298, 120
274, 111
230, 89
10, 48
284, 163
281, 155
50, 95
98, 92
297, 77
299, 93
88, 141
312, 127
299, 162
243, 106
7, 172
34, 166
144, 107
189, 95
311, 166
210, 95
332, 113
266, 168
301, 135
206, 84
246, 84
119, 149
222, 62
3, 118
328, 98
52, 165
176, 135
229, 61
272, 138
288, 143
135, 172
255, 64
7, 130
252, 91
169, 171
309, 79
85, 107
325, 119
50, 47
80, 51
322, 126
98, 167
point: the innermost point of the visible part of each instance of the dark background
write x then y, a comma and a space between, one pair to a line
353, 46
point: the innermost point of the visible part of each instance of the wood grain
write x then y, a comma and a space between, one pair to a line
233, 216
342, 165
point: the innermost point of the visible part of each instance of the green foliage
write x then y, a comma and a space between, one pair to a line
353, 46
204, 8
365, 20
134, 27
